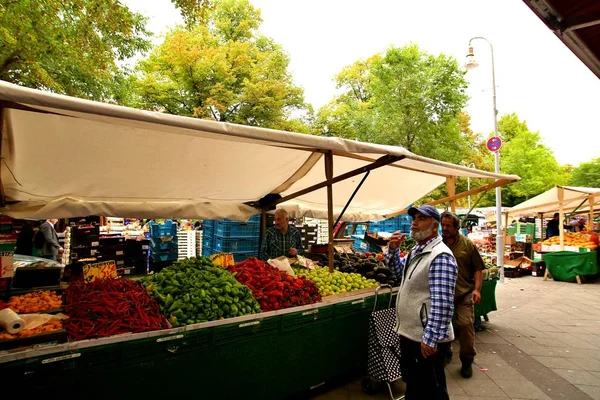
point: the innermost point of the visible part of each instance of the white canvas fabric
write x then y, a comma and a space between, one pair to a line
67, 157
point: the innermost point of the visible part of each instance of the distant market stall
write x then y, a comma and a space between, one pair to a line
65, 157
567, 256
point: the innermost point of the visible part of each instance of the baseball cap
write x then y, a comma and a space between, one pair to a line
425, 209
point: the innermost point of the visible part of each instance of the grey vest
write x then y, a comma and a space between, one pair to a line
413, 305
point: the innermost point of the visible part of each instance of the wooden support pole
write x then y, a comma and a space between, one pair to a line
329, 177
451, 187
561, 221
591, 217
504, 228
2, 195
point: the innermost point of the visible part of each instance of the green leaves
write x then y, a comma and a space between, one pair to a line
524, 154
587, 174
222, 70
69, 47
404, 97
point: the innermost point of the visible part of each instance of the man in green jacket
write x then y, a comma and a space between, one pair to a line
468, 288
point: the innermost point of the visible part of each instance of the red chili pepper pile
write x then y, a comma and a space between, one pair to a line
108, 307
274, 289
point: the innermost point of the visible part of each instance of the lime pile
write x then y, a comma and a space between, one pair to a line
336, 282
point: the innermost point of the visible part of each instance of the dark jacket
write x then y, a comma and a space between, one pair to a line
24, 243
51, 246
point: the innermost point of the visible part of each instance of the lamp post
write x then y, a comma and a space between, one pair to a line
471, 63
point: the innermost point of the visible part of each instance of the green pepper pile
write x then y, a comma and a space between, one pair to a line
194, 290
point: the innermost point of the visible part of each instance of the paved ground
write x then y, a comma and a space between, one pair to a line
542, 343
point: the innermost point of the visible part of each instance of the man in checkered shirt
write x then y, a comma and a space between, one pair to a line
282, 239
425, 305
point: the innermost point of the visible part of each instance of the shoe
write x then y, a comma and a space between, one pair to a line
466, 371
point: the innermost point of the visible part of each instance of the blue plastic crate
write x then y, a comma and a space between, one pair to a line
360, 230
233, 245
170, 256
362, 246
234, 229
403, 219
206, 250
167, 229
157, 245
255, 218
405, 228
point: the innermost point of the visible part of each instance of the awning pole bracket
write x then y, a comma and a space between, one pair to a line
351, 198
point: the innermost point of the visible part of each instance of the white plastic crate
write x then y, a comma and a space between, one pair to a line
186, 246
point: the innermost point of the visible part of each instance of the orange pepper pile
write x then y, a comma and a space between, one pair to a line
34, 302
50, 326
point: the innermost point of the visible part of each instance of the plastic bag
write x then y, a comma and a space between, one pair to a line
32, 321
282, 263
305, 262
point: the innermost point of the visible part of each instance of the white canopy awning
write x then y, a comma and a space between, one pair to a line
574, 198
67, 157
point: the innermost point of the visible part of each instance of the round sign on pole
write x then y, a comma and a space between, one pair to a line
494, 144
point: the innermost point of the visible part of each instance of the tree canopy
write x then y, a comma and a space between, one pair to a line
223, 70
404, 97
524, 154
587, 174
69, 47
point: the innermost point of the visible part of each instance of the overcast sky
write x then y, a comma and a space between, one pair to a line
537, 76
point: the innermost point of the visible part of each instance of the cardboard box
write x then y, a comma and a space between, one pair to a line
7, 251
511, 239
521, 262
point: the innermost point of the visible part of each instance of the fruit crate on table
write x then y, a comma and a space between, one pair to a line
362, 246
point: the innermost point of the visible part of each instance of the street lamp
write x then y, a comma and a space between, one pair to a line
471, 63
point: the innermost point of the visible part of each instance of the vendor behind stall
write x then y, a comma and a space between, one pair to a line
552, 227
282, 239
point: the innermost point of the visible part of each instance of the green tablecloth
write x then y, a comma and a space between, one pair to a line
488, 299
566, 265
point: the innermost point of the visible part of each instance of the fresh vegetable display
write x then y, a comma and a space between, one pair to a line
50, 326
108, 307
194, 290
336, 282
368, 266
34, 302
274, 289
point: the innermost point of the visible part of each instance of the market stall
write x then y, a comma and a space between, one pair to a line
220, 170
570, 255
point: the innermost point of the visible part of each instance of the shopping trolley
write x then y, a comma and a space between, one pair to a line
383, 363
